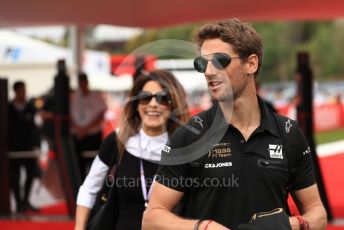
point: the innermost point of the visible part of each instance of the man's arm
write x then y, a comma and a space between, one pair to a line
82, 131
96, 120
309, 203
158, 214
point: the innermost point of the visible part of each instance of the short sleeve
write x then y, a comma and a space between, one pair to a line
169, 174
302, 170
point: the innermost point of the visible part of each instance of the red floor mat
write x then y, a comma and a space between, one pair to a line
57, 209
36, 225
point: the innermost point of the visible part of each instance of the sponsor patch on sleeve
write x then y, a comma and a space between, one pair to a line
166, 149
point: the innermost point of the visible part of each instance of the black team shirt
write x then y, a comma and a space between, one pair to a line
228, 179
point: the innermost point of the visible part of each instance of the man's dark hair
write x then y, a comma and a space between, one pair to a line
82, 77
242, 36
18, 84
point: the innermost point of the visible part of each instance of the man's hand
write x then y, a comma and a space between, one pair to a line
272, 220
80, 132
294, 223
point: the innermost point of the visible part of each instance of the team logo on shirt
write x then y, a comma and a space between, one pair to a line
219, 165
307, 151
275, 151
198, 120
220, 150
288, 125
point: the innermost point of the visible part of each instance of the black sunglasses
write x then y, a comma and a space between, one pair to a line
163, 98
219, 61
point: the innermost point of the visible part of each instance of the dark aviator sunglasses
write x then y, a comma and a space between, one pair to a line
218, 60
162, 98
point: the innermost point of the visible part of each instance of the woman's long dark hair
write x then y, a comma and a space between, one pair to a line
130, 121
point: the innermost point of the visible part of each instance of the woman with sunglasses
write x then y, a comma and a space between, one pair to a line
155, 108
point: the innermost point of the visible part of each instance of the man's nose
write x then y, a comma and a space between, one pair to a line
210, 70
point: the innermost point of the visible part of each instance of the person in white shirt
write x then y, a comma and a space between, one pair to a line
155, 108
87, 113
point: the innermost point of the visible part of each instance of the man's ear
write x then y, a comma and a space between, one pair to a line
252, 64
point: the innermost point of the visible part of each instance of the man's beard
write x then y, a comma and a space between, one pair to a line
230, 96
234, 91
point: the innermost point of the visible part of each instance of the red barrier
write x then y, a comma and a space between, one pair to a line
326, 116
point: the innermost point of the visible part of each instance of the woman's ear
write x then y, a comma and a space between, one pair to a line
252, 64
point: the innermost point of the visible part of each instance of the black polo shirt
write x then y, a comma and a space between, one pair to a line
228, 179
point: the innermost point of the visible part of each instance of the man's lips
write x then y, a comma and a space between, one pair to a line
214, 84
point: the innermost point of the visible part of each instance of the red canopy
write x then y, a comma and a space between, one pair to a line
155, 13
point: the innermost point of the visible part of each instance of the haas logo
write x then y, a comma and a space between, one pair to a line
275, 151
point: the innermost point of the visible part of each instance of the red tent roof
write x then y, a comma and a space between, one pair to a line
154, 13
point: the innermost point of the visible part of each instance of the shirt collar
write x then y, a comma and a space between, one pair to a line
267, 119
146, 147
146, 140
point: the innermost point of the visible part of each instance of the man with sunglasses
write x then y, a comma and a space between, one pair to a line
237, 159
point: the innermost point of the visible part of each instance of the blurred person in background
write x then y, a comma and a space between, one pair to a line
87, 115
23, 137
155, 108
